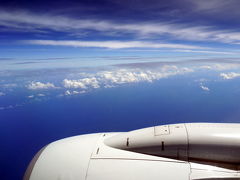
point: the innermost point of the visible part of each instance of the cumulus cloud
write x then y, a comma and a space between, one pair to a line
40, 85
69, 93
108, 79
230, 75
123, 76
204, 88
2, 94
83, 83
38, 95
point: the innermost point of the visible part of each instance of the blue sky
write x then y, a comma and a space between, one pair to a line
75, 47
92, 28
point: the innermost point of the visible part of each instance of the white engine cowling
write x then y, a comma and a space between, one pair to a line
192, 151
187, 142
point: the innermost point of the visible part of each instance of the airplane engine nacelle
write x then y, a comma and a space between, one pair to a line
187, 142
181, 151
66, 159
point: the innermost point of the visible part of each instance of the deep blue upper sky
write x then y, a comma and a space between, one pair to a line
187, 26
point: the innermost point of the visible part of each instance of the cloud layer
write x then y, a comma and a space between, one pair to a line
112, 44
27, 21
40, 85
108, 79
83, 83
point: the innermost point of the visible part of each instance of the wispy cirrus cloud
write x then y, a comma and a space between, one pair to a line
112, 44
206, 51
22, 21
220, 67
216, 64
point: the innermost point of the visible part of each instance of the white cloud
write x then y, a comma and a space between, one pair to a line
230, 75
38, 95
2, 94
31, 96
205, 88
84, 83
108, 79
27, 21
205, 52
40, 85
123, 76
68, 92
112, 44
